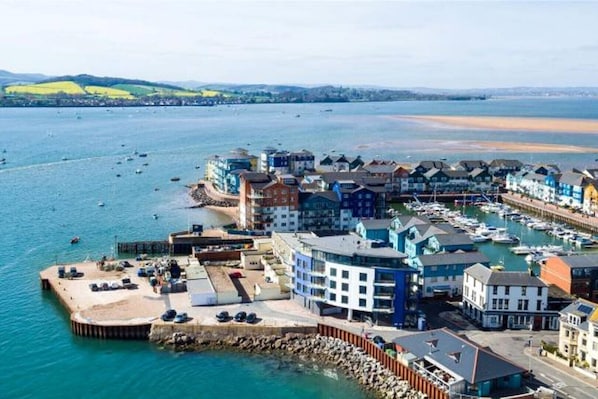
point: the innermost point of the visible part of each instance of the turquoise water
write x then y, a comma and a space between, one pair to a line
44, 201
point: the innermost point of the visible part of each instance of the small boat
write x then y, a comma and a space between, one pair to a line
129, 158
479, 238
155, 216
65, 159
118, 175
505, 239
142, 155
522, 250
175, 178
138, 171
74, 240
100, 203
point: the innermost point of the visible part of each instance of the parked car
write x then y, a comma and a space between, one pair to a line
251, 318
222, 316
241, 316
181, 318
141, 272
169, 315
94, 287
125, 263
235, 274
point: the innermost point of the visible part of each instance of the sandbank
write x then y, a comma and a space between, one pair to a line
465, 146
562, 125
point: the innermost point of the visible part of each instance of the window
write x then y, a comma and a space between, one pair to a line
333, 284
333, 296
539, 291
523, 291
333, 271
538, 305
344, 299
363, 277
363, 289
345, 287
362, 302
345, 274
506, 304
495, 289
494, 303
507, 290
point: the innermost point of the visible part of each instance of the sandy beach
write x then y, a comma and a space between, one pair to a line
588, 126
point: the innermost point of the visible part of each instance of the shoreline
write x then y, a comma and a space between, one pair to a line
315, 350
531, 124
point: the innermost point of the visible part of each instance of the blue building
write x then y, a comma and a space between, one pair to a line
356, 202
374, 229
399, 228
350, 275
219, 167
442, 274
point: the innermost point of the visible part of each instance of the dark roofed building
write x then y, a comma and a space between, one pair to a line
457, 364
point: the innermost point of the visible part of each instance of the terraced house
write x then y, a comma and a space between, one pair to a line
578, 336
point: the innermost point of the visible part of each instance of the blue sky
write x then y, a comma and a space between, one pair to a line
446, 44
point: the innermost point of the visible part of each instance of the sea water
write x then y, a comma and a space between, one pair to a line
61, 162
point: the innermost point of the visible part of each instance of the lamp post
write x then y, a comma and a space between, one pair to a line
531, 352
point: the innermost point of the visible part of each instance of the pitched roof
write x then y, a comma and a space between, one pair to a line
583, 308
473, 164
433, 164
455, 258
454, 239
376, 224
509, 163
459, 355
494, 277
573, 261
572, 179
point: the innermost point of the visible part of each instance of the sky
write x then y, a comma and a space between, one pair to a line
401, 44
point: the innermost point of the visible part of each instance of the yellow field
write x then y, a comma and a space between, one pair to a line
210, 93
66, 87
109, 92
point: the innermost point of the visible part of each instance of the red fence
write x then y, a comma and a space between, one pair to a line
416, 381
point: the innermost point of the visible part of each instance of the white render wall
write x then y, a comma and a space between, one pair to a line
353, 286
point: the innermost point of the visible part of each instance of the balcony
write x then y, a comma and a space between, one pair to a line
384, 295
318, 273
383, 309
319, 285
384, 283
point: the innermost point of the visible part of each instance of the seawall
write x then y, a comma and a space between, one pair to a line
552, 212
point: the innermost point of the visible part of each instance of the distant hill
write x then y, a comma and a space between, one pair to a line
96, 91
9, 78
104, 81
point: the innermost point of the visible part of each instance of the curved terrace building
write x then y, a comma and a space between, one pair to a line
349, 275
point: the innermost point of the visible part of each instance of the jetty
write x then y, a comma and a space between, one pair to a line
133, 313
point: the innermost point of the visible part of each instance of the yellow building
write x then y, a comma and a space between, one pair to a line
590, 198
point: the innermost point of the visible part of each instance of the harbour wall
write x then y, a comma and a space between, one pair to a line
552, 212
163, 331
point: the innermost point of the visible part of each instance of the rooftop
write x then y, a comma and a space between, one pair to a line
459, 355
